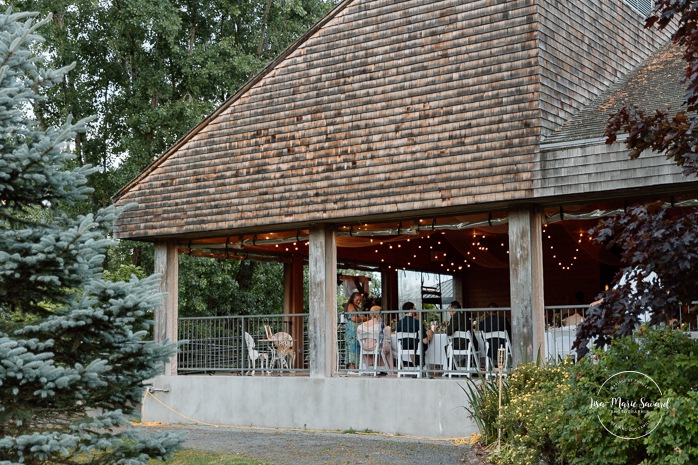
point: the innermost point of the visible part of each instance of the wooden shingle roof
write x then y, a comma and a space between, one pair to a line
656, 84
389, 110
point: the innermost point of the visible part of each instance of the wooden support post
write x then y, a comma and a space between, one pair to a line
389, 289
459, 288
293, 304
526, 285
167, 264
322, 323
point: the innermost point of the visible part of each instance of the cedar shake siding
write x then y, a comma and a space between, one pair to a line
388, 110
586, 46
575, 160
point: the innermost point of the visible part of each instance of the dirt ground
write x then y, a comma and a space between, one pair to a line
294, 447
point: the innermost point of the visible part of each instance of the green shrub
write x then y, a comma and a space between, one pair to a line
549, 417
673, 441
483, 406
666, 356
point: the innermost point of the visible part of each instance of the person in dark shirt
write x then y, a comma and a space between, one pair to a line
411, 324
495, 321
460, 321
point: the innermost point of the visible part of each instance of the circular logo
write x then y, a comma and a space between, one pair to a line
624, 402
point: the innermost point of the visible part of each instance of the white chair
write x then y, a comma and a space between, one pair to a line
282, 350
408, 355
550, 345
481, 347
500, 336
564, 338
465, 339
254, 354
370, 348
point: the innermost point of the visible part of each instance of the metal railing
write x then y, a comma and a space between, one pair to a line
246, 344
438, 355
279, 343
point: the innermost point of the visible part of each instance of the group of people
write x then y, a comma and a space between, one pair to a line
493, 321
370, 328
364, 323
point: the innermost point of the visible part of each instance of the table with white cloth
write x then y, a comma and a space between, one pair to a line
436, 351
558, 342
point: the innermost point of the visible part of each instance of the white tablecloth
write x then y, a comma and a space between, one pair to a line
436, 352
558, 342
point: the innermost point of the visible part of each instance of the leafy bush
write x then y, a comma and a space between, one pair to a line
670, 441
666, 356
548, 414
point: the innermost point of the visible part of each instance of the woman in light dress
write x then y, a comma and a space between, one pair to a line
375, 330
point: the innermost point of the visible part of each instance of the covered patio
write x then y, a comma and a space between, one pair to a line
470, 253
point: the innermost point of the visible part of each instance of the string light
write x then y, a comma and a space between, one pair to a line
564, 254
564, 265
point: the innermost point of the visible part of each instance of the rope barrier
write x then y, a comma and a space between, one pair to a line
455, 441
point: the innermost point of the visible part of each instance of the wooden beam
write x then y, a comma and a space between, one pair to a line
526, 284
293, 304
322, 321
167, 264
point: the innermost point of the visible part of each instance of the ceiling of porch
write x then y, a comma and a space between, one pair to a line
445, 245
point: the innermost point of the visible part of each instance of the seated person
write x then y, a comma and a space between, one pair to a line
459, 321
411, 324
495, 321
573, 319
374, 331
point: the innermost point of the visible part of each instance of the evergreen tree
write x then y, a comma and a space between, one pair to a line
73, 346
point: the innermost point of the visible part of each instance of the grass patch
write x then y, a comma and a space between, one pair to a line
196, 457
353, 431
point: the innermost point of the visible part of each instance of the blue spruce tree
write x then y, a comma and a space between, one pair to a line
74, 349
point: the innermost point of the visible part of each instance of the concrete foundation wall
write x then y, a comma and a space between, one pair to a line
406, 406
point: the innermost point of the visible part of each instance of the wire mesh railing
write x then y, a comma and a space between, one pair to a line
451, 342
245, 344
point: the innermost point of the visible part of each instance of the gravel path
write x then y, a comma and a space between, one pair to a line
285, 447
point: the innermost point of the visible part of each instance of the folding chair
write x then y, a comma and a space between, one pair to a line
489, 342
405, 354
254, 354
370, 347
465, 338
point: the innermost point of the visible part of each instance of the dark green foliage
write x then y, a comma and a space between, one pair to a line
654, 242
152, 70
665, 355
73, 346
210, 287
548, 417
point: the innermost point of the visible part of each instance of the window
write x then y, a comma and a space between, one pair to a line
643, 6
